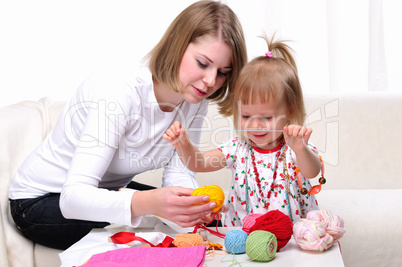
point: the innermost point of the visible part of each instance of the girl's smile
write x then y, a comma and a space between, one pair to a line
259, 136
259, 120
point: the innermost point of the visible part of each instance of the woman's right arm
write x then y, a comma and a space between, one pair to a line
96, 131
173, 203
82, 199
190, 155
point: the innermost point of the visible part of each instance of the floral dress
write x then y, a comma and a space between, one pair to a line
272, 189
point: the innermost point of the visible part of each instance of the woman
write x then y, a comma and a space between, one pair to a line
111, 130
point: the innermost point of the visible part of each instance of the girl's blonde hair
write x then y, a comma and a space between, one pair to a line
201, 18
267, 77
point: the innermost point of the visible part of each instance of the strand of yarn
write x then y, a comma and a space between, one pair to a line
231, 130
217, 233
311, 235
261, 246
334, 224
188, 240
277, 223
249, 221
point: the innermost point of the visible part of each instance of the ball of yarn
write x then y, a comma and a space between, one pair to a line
261, 245
249, 221
235, 241
311, 235
334, 224
188, 240
277, 223
215, 194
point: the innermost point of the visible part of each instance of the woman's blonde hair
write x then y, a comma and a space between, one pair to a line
267, 77
201, 18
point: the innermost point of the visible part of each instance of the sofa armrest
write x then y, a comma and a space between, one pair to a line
23, 127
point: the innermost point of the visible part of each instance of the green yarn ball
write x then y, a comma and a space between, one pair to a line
261, 246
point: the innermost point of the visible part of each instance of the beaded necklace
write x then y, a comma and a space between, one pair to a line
287, 180
279, 154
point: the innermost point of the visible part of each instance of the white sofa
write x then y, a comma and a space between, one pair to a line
358, 135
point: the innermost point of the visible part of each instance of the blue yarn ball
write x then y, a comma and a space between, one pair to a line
235, 241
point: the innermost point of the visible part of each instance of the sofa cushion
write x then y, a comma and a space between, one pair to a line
372, 221
46, 257
357, 136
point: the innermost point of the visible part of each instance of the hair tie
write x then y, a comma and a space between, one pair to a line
268, 54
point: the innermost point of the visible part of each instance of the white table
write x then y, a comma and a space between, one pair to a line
290, 255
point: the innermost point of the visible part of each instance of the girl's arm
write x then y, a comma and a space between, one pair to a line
190, 155
297, 139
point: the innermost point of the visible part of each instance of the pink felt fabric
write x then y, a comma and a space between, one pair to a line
148, 256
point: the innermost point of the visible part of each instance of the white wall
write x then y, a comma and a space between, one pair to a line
47, 47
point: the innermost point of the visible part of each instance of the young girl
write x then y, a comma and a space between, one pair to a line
273, 146
111, 130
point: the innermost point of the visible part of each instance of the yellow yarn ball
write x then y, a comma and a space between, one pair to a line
215, 194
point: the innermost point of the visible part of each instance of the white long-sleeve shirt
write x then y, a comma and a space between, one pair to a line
110, 131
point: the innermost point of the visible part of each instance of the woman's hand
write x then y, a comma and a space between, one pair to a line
173, 203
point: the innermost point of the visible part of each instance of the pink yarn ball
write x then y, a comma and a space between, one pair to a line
249, 221
311, 235
319, 230
333, 223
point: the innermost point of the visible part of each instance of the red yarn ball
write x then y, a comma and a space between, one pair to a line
277, 223
249, 221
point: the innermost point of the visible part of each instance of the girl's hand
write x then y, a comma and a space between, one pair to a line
215, 215
297, 136
173, 203
174, 133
